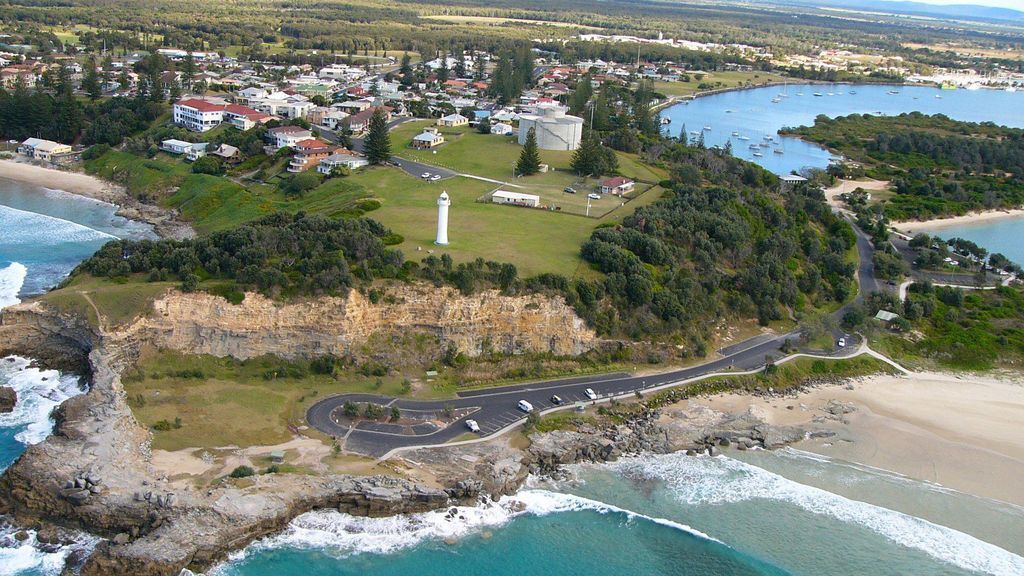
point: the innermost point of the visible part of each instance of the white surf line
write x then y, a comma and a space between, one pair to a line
863, 350
74, 225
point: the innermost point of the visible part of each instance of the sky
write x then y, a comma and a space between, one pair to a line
1015, 4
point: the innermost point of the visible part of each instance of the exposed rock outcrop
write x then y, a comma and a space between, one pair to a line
204, 324
8, 399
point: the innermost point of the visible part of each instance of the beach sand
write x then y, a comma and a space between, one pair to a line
972, 218
963, 433
164, 221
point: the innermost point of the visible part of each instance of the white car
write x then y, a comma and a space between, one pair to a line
435, 177
525, 406
842, 342
594, 196
590, 393
425, 175
472, 425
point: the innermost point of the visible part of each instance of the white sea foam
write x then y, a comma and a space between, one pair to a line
11, 279
344, 535
39, 392
704, 481
29, 228
29, 556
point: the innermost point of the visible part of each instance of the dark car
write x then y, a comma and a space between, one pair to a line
556, 400
569, 190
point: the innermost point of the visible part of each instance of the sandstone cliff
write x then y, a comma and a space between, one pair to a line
204, 324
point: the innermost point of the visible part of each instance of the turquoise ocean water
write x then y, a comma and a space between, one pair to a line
755, 513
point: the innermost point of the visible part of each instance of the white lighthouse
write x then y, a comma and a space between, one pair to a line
442, 219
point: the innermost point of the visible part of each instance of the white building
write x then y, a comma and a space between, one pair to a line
341, 158
191, 150
502, 129
555, 129
287, 136
43, 149
453, 120
515, 198
443, 202
198, 115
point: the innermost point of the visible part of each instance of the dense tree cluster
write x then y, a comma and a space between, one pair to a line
938, 166
707, 251
278, 255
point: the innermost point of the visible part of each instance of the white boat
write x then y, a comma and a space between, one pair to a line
831, 94
818, 94
769, 138
735, 133
776, 100
893, 92
755, 146
1010, 89
973, 86
728, 111
707, 127
939, 96
778, 151
694, 133
854, 92
666, 121
743, 137
758, 154
799, 93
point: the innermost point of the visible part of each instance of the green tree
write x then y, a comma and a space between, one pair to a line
484, 126
406, 71
581, 95
188, 70
301, 183
377, 145
91, 80
208, 165
529, 158
592, 158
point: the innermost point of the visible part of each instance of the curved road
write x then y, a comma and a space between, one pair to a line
496, 408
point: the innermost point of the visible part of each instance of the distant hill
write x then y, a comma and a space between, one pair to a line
958, 11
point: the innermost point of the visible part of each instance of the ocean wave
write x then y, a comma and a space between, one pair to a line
12, 278
703, 481
39, 392
29, 556
23, 227
345, 535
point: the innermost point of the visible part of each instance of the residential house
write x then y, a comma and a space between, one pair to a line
198, 115
502, 129
617, 185
333, 119
309, 153
453, 121
341, 158
354, 106
360, 122
287, 136
45, 150
429, 138
243, 117
228, 153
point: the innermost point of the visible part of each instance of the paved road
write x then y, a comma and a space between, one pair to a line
416, 169
496, 408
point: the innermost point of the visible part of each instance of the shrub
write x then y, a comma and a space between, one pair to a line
242, 472
208, 165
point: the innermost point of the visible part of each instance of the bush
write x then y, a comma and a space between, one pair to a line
242, 472
301, 183
95, 151
208, 165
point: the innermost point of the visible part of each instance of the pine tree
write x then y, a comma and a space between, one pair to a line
586, 160
581, 95
683, 137
442, 72
377, 145
188, 70
406, 70
91, 80
123, 79
529, 158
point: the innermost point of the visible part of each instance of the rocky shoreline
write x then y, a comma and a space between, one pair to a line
95, 472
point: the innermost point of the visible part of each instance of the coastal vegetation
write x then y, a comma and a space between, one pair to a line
937, 166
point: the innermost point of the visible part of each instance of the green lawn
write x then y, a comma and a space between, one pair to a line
717, 81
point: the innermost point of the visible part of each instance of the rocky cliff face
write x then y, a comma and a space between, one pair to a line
205, 324
57, 340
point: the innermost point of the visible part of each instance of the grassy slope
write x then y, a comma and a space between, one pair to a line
718, 81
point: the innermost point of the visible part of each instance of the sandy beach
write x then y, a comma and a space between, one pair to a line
164, 221
960, 432
972, 218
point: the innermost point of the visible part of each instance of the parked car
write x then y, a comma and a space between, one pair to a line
842, 342
425, 175
525, 406
472, 425
435, 177
569, 190
594, 196
590, 393
556, 400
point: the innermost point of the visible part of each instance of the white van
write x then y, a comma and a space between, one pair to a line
525, 406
